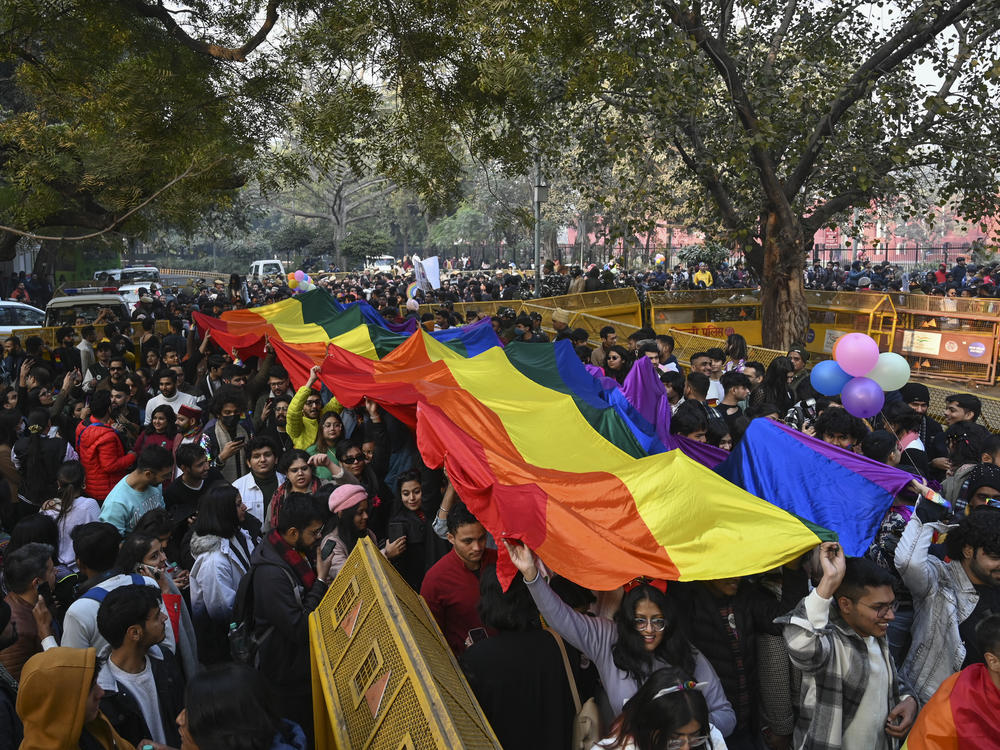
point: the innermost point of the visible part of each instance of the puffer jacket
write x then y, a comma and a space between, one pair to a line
103, 457
219, 566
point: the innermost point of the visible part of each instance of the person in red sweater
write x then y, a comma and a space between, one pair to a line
451, 586
101, 451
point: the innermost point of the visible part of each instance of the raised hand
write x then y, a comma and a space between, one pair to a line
523, 559
834, 565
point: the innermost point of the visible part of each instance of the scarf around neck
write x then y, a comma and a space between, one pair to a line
294, 558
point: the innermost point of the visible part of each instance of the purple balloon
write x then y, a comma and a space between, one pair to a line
300, 275
862, 397
857, 353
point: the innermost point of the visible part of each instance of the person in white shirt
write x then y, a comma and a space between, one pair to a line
169, 394
259, 485
143, 686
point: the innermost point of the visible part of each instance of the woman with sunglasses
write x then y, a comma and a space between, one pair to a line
668, 712
643, 637
617, 364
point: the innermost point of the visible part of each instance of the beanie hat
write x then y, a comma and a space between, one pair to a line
915, 392
983, 475
347, 496
412, 304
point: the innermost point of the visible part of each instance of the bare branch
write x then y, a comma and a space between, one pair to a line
217, 51
778, 38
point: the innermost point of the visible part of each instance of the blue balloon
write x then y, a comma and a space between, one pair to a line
828, 378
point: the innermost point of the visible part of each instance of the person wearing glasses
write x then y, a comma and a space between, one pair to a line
644, 636
851, 695
668, 712
305, 410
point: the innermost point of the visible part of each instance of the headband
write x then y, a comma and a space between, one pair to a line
681, 686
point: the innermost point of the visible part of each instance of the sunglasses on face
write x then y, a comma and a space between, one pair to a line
353, 459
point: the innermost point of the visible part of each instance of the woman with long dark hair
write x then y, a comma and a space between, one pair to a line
350, 507
329, 433
774, 388
736, 353
221, 551
160, 431
643, 637
668, 712
70, 509
413, 519
228, 706
617, 364
38, 458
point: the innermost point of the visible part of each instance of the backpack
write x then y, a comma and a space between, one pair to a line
244, 643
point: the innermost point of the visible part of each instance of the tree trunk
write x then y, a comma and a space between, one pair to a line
784, 314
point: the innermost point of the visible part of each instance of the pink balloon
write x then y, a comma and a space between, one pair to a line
856, 353
300, 275
862, 397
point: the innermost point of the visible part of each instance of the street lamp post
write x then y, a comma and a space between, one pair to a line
540, 196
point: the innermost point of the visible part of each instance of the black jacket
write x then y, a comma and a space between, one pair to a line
123, 711
754, 610
284, 655
38, 481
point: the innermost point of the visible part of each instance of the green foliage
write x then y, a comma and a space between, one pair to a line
363, 243
708, 252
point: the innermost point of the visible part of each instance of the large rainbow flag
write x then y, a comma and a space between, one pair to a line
535, 445
529, 464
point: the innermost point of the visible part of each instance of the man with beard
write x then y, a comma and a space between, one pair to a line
277, 386
169, 394
949, 598
275, 422
289, 577
126, 416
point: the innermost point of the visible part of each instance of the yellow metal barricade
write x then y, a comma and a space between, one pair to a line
383, 676
714, 313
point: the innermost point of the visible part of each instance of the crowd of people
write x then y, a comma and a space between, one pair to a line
171, 515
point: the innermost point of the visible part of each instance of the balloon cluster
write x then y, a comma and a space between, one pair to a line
300, 282
659, 258
860, 374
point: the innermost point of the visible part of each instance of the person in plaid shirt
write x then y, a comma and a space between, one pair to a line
851, 696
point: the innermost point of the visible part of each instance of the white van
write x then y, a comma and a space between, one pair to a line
130, 280
262, 268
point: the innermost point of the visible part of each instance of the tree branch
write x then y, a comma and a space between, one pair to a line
730, 75
217, 51
913, 35
183, 175
778, 38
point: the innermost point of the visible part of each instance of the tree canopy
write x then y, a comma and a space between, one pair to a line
759, 121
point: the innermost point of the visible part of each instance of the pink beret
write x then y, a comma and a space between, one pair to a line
346, 496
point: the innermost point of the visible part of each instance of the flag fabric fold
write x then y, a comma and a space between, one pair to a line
961, 715
821, 483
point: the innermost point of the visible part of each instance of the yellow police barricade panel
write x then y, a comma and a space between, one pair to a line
383, 676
